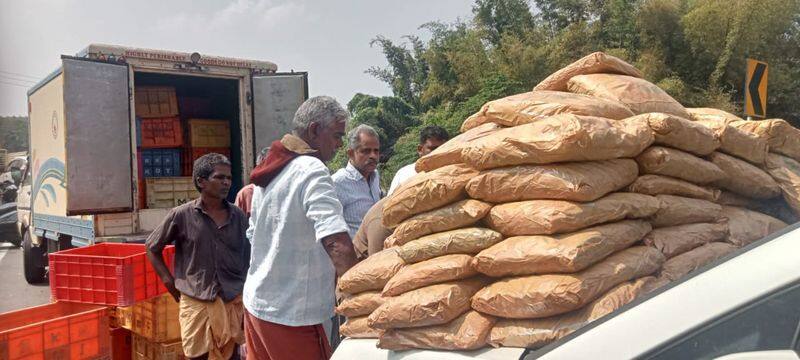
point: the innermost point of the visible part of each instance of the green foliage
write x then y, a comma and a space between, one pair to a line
14, 133
695, 50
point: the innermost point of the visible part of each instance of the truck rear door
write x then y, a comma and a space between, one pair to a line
98, 137
276, 98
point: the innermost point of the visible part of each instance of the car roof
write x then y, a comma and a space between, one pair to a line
726, 284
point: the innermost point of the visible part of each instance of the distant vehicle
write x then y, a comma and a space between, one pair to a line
745, 306
85, 162
11, 178
8, 224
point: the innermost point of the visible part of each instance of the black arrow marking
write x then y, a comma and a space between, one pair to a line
752, 88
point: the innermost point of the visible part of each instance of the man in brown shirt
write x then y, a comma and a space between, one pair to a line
212, 255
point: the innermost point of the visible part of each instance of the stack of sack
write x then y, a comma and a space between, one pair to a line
556, 207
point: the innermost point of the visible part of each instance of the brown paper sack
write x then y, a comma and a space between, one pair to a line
744, 178
640, 95
560, 138
467, 332
544, 217
665, 185
450, 152
453, 216
531, 333
781, 137
360, 304
711, 114
737, 142
426, 191
680, 133
678, 164
437, 270
786, 172
675, 240
691, 260
432, 305
462, 241
528, 255
581, 181
533, 106
539, 296
358, 328
371, 274
676, 210
594, 63
747, 226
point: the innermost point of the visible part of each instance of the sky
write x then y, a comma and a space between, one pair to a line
329, 39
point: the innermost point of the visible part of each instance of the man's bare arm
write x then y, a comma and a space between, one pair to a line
340, 249
157, 259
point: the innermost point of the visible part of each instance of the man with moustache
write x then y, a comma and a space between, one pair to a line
358, 184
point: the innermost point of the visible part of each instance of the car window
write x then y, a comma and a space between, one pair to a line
770, 323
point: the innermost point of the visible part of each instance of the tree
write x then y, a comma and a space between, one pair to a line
14, 133
497, 18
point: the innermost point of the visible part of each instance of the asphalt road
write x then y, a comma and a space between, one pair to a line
15, 292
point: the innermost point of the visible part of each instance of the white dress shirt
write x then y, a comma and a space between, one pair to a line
356, 195
401, 176
291, 278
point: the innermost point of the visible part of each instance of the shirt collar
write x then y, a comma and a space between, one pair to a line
354, 174
198, 205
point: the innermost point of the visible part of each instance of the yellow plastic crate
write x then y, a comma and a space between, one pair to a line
154, 320
206, 133
169, 192
156, 101
144, 349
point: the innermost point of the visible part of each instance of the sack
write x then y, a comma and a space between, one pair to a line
538, 296
744, 178
426, 191
467, 332
431, 305
528, 255
680, 133
560, 138
537, 217
786, 172
360, 304
663, 185
640, 95
679, 266
581, 181
437, 270
462, 241
454, 216
710, 114
676, 210
594, 63
747, 226
532, 333
678, 164
372, 273
675, 240
450, 152
737, 142
533, 106
358, 328
781, 137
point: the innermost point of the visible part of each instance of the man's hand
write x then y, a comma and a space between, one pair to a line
170, 285
157, 260
340, 249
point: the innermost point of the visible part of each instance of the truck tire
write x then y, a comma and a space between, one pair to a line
32, 260
14, 239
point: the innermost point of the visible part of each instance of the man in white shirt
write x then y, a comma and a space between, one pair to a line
299, 239
358, 183
430, 138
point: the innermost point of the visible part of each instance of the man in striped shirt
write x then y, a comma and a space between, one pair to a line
358, 184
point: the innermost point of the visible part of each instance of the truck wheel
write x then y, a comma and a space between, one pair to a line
32, 260
15, 239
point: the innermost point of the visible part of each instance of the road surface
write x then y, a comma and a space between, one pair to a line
16, 293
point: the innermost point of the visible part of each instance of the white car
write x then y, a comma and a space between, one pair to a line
743, 306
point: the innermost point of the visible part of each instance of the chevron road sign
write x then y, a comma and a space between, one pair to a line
755, 89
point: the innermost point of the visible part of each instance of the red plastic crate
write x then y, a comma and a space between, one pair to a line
161, 133
107, 273
55, 331
190, 154
121, 344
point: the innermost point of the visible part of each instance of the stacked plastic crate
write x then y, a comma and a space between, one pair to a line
160, 138
206, 136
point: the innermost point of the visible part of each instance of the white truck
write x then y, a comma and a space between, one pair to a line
84, 172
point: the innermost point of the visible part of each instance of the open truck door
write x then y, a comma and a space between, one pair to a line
98, 132
276, 98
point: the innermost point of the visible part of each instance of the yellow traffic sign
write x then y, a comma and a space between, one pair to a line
755, 89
